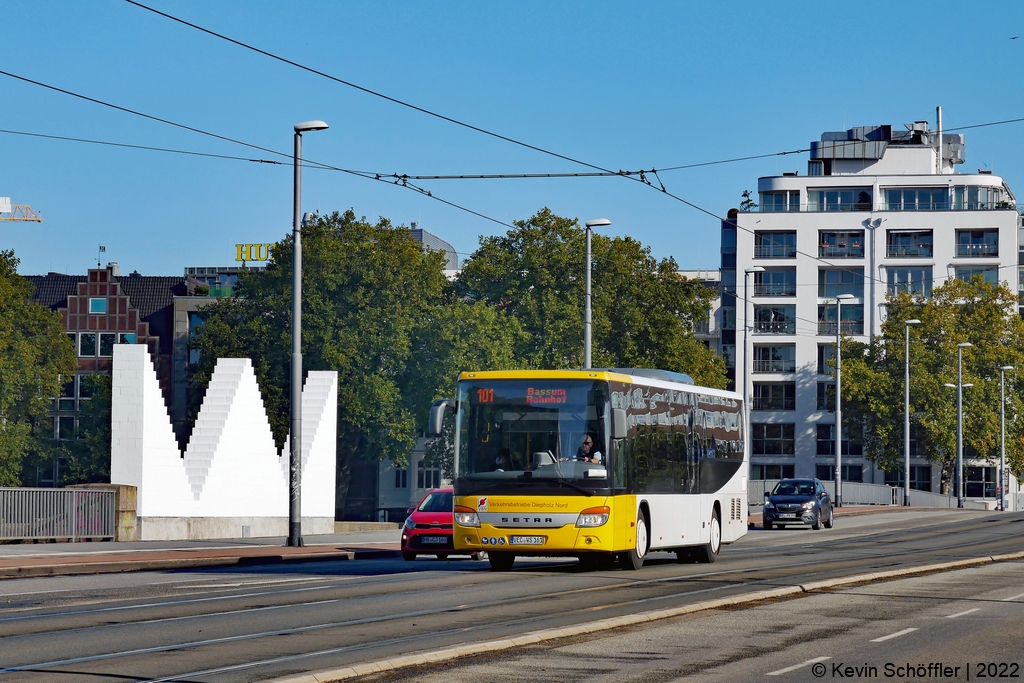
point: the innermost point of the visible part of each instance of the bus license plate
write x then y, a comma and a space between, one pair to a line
435, 539
526, 540
787, 515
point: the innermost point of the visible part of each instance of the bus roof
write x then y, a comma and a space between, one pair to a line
645, 376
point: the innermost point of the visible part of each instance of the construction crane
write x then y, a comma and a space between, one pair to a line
17, 212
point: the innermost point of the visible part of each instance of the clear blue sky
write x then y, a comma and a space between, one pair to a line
621, 85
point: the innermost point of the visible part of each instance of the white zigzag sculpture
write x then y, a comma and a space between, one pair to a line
230, 475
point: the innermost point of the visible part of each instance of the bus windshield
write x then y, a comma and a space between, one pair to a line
529, 432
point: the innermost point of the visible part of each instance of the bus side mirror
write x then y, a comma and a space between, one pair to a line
437, 416
619, 424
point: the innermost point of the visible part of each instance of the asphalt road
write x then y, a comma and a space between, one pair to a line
221, 626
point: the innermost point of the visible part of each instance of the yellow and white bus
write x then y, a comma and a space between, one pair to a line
665, 467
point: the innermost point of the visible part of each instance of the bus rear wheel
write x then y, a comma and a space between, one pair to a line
500, 562
708, 552
634, 559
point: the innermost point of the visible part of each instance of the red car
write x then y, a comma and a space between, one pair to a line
428, 530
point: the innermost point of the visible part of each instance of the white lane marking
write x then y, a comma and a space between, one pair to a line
894, 635
797, 666
960, 614
251, 583
1013, 597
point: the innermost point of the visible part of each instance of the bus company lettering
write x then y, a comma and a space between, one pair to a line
514, 505
545, 396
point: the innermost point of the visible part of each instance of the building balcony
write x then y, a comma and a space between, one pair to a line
841, 251
907, 251
777, 327
780, 365
775, 289
775, 251
977, 250
855, 327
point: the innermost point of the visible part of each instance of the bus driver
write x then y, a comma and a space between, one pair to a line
586, 452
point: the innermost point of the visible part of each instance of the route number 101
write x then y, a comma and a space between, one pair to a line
485, 395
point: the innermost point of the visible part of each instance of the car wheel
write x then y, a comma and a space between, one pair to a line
767, 526
829, 521
634, 559
408, 557
442, 556
709, 553
817, 521
501, 562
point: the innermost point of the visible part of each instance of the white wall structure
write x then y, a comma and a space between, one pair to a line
881, 210
230, 482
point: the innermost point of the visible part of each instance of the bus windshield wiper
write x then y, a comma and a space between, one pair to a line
569, 484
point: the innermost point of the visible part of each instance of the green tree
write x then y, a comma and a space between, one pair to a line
977, 312
747, 202
378, 309
88, 458
36, 358
644, 312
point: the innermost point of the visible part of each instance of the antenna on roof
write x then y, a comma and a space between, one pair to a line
102, 250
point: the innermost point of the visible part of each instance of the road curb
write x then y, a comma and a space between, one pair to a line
74, 568
533, 637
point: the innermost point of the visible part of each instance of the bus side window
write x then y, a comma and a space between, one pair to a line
619, 463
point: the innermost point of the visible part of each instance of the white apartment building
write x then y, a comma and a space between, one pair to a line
879, 210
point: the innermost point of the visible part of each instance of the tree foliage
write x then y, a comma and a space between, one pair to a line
873, 376
36, 358
644, 312
88, 458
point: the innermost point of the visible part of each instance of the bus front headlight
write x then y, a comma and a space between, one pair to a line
592, 517
465, 516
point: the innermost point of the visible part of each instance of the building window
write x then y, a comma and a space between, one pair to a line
775, 244
729, 240
87, 344
774, 319
401, 478
980, 482
774, 358
126, 338
67, 396
66, 427
826, 398
826, 359
760, 472
908, 243
835, 281
978, 198
729, 355
97, 306
910, 280
775, 282
852, 323
841, 244
774, 396
728, 318
977, 243
989, 274
772, 439
107, 341
849, 199
850, 472
775, 202
917, 199
920, 478
827, 442
427, 477
86, 385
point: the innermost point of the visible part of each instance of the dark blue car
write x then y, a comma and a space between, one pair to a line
798, 501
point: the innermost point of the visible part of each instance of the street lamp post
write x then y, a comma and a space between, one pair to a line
906, 412
1002, 436
839, 393
747, 359
960, 420
295, 439
587, 319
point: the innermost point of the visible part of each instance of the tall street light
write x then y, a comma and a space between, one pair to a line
960, 420
906, 411
839, 393
747, 359
1002, 435
587, 319
295, 440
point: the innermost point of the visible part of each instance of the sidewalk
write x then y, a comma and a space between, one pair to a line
54, 559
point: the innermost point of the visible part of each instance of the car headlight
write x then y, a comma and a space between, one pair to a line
465, 516
592, 517
769, 505
409, 524
808, 505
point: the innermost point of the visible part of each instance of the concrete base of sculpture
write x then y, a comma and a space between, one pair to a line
195, 528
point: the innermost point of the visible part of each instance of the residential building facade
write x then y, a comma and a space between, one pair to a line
880, 210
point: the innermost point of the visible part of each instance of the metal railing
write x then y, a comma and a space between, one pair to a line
859, 493
778, 365
856, 251
848, 327
775, 289
977, 250
42, 514
774, 251
781, 327
907, 251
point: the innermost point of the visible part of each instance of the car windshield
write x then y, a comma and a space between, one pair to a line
794, 488
438, 501
526, 430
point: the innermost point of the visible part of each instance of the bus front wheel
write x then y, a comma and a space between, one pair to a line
500, 562
634, 559
709, 552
